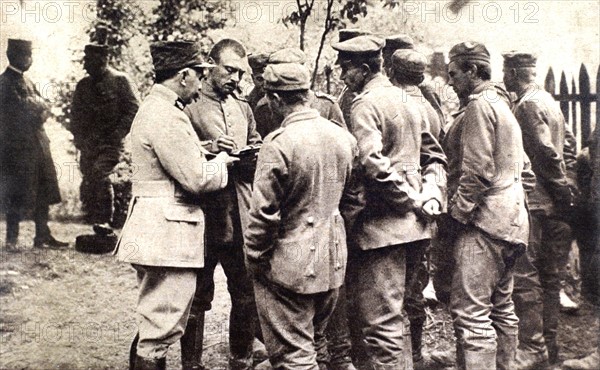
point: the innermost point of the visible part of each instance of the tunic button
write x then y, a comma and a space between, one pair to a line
311, 273
310, 220
312, 248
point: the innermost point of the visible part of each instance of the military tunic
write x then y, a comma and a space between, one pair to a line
163, 234
489, 224
401, 167
212, 116
296, 239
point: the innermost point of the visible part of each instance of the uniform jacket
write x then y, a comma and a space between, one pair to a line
345, 102
485, 161
165, 225
435, 125
27, 172
268, 121
543, 127
102, 111
295, 224
211, 117
401, 165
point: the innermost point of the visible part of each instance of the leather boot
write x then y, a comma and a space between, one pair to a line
528, 359
590, 362
144, 363
445, 358
480, 360
416, 335
506, 351
133, 351
191, 343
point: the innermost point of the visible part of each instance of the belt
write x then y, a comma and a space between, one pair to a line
154, 189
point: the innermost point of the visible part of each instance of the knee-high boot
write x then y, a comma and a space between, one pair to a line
191, 343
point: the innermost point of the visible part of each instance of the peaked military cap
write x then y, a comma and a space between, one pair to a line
350, 33
360, 46
176, 55
287, 55
471, 51
258, 61
400, 41
286, 77
515, 59
409, 60
19, 46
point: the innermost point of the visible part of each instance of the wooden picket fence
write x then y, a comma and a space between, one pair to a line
576, 104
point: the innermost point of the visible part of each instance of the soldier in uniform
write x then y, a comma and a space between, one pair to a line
538, 273
408, 67
257, 63
27, 174
346, 96
173, 171
268, 121
223, 121
104, 104
486, 212
394, 143
296, 239
400, 42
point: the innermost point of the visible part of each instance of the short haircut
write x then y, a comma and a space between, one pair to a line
219, 47
291, 97
167, 74
484, 70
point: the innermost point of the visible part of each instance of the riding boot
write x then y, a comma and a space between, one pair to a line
191, 343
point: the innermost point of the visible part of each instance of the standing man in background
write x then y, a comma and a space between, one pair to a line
224, 122
104, 104
538, 273
27, 174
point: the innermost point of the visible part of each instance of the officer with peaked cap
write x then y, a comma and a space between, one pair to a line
27, 174
487, 218
163, 235
296, 284
257, 63
104, 104
390, 133
268, 121
537, 277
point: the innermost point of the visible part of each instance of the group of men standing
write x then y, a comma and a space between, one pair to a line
323, 237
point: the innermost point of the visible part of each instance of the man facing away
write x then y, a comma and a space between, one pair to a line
296, 238
538, 273
402, 172
164, 232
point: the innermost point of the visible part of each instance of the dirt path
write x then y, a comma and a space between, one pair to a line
67, 310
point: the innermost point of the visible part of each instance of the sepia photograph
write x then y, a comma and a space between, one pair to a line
300, 184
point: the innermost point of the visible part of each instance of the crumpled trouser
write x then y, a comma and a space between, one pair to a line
378, 279
165, 298
293, 325
481, 302
537, 282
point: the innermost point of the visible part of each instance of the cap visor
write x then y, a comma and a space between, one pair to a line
203, 65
